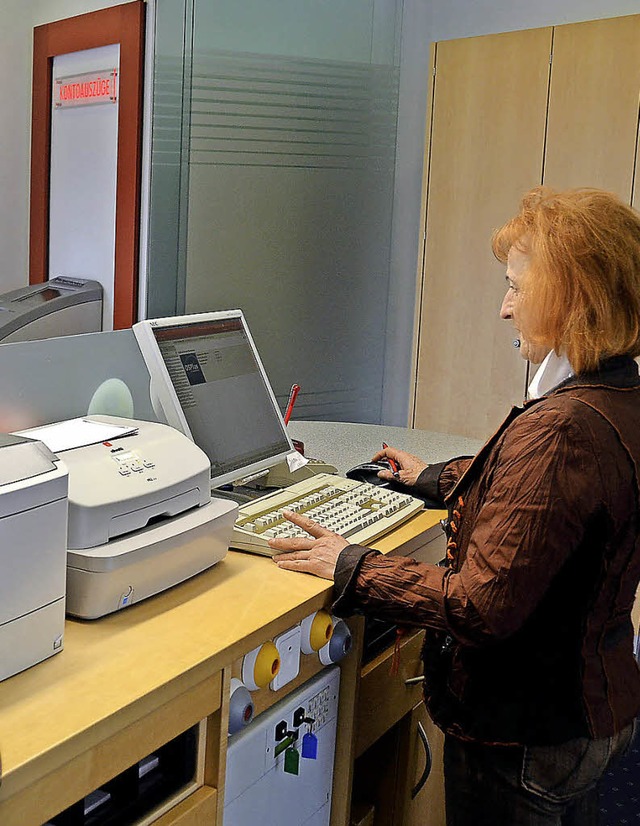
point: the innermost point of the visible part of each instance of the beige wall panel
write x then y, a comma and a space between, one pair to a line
593, 105
487, 139
422, 226
635, 197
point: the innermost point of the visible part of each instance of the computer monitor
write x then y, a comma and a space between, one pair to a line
208, 381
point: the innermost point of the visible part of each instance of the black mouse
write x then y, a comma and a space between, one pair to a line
368, 472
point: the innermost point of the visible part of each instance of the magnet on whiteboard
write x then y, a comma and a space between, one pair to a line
260, 666
316, 631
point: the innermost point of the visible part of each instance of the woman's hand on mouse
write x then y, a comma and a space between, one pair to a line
409, 466
316, 554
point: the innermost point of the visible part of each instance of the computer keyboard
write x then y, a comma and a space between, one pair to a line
357, 510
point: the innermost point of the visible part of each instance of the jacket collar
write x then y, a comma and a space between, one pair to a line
616, 372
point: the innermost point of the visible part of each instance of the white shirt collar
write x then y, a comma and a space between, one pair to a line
553, 370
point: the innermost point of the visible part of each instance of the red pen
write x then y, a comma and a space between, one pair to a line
392, 462
293, 395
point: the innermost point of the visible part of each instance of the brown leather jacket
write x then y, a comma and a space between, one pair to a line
528, 630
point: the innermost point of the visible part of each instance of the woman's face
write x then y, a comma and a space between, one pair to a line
513, 305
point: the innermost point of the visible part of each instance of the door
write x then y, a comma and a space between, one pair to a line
593, 105
121, 26
487, 143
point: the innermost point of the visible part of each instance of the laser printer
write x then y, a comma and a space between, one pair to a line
141, 517
60, 307
33, 550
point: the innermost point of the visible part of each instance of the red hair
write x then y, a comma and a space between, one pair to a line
582, 288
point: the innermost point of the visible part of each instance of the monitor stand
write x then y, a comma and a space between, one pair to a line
240, 493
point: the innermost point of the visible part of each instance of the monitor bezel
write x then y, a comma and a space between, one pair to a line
163, 393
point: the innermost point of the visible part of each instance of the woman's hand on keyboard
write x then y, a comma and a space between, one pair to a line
409, 466
316, 554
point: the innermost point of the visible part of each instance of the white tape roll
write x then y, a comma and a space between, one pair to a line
240, 706
338, 646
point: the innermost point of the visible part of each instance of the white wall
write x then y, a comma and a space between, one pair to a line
16, 50
464, 18
15, 108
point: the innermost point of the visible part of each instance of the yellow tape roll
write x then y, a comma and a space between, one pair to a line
267, 664
320, 631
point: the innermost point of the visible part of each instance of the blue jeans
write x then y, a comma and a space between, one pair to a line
527, 785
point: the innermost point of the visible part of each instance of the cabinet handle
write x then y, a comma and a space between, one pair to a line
422, 734
414, 680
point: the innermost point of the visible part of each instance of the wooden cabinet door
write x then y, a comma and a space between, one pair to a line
593, 105
424, 802
486, 149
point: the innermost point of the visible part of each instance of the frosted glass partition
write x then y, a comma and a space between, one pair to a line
58, 378
169, 180
290, 123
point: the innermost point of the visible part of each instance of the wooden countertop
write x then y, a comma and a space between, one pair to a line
116, 670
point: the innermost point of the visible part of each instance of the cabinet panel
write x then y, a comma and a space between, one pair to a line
199, 809
593, 105
55, 791
428, 807
384, 696
486, 150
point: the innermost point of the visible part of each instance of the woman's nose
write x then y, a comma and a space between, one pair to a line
505, 310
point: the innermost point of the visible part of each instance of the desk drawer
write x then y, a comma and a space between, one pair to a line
199, 809
384, 697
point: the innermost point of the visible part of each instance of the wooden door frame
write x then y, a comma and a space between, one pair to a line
123, 25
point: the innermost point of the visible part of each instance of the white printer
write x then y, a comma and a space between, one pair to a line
33, 542
141, 517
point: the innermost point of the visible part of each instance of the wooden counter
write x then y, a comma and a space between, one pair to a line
123, 684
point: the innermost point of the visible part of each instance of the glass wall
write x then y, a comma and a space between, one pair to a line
273, 159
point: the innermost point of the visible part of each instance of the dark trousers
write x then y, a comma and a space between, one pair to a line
527, 785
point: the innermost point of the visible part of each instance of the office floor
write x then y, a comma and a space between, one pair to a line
620, 795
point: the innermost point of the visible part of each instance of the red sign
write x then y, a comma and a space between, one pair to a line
86, 89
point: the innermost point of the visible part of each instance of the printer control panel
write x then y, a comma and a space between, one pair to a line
130, 461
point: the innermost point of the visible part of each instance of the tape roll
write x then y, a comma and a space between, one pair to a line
316, 631
241, 706
338, 646
260, 666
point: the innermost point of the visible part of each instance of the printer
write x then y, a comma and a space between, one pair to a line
141, 517
61, 306
33, 550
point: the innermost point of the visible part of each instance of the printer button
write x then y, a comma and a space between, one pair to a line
149, 464
124, 471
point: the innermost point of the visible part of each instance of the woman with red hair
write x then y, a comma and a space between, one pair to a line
528, 654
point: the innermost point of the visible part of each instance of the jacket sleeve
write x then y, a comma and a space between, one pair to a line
437, 480
543, 490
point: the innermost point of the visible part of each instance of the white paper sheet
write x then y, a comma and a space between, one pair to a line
75, 433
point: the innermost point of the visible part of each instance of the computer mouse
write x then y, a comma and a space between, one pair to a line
368, 472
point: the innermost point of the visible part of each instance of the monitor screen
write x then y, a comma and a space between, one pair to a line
209, 381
